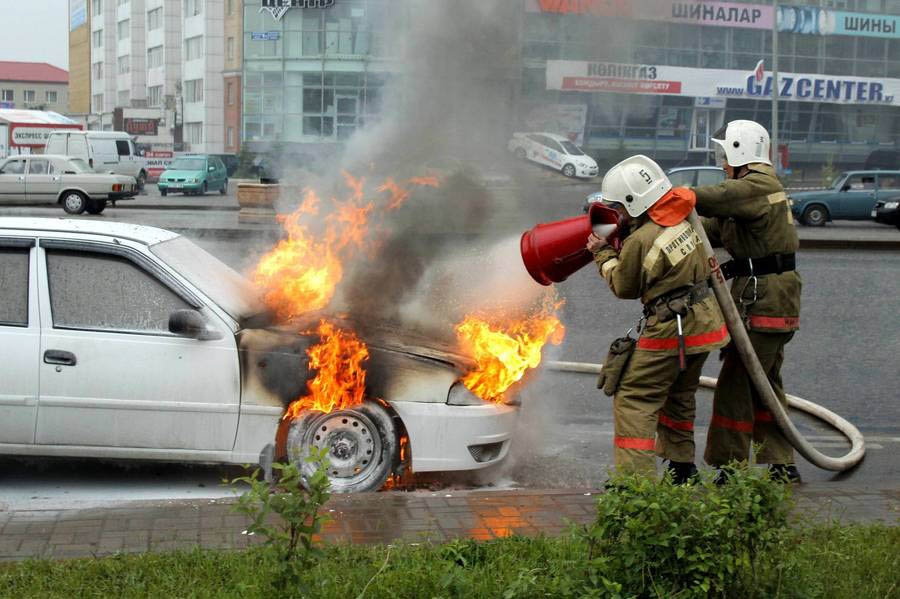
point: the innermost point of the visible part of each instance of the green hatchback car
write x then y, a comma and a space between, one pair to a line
194, 174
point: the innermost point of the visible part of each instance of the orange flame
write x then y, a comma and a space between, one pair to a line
504, 350
400, 193
340, 380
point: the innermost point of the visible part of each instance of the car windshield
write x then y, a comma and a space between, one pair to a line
571, 148
836, 181
78, 165
223, 285
187, 164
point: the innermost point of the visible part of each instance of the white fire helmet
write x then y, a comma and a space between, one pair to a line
637, 183
742, 142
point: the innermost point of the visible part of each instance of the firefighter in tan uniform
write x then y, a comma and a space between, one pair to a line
661, 262
749, 215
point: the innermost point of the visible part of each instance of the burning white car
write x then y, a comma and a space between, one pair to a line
126, 341
554, 151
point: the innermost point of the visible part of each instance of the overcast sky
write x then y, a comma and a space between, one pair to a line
35, 31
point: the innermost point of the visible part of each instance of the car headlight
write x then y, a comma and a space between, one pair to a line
891, 205
460, 396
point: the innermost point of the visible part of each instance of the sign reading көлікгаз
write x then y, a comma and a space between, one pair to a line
572, 75
278, 8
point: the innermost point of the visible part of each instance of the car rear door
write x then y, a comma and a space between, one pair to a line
42, 181
12, 180
20, 340
111, 374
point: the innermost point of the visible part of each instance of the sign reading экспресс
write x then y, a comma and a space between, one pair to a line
278, 8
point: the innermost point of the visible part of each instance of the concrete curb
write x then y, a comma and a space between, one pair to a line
850, 244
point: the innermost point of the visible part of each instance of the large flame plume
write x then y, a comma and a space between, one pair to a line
340, 380
301, 273
504, 349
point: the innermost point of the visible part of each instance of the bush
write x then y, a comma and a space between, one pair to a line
661, 540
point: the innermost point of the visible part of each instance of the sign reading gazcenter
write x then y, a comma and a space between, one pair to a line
277, 8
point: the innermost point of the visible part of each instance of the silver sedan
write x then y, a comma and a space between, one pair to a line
69, 182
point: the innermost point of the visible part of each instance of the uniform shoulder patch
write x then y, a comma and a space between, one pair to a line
675, 243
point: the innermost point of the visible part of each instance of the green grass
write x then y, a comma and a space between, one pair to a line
813, 561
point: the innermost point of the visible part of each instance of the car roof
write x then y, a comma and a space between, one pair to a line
97, 134
52, 156
140, 233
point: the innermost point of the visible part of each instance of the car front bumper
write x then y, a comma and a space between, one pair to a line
587, 173
444, 438
887, 217
121, 195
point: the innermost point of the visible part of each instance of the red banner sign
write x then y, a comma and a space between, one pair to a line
622, 86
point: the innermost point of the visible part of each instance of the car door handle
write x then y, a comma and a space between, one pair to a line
58, 356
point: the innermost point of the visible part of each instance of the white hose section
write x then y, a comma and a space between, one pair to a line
857, 443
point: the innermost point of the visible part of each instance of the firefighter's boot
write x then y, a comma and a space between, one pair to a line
786, 473
682, 473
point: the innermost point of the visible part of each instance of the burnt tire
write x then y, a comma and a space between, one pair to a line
815, 215
569, 170
96, 206
362, 445
74, 202
520, 153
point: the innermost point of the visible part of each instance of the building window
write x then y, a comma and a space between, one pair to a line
193, 48
124, 29
98, 38
7, 95
230, 7
97, 103
51, 97
229, 137
193, 7
229, 93
193, 133
124, 98
29, 95
230, 48
193, 90
98, 7
155, 57
97, 70
154, 96
154, 19
124, 65
123, 2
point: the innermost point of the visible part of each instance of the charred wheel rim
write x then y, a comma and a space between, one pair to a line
352, 441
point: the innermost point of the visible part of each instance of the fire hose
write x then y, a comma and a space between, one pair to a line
760, 380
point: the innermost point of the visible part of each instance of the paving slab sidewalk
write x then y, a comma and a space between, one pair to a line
389, 517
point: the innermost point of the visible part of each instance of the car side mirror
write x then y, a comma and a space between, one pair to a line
846, 187
190, 323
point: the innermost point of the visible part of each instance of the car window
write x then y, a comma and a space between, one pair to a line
14, 287
78, 146
534, 138
14, 167
188, 164
77, 165
103, 292
553, 145
888, 181
122, 147
572, 149
682, 178
39, 167
861, 182
710, 177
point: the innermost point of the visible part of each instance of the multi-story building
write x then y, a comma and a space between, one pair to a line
159, 60
651, 76
79, 58
233, 75
34, 86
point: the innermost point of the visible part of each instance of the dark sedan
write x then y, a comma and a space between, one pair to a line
887, 211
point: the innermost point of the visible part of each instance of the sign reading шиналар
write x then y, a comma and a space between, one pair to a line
277, 8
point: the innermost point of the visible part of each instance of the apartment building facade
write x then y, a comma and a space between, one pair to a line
162, 61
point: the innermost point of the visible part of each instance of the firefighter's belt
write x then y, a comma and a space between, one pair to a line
677, 301
758, 267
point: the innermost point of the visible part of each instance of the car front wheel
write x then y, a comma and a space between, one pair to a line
361, 445
74, 202
163, 192
815, 216
569, 170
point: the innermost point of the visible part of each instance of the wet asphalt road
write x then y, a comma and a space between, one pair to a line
845, 357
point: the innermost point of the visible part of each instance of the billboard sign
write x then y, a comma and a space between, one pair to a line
142, 127
278, 8
33, 135
697, 12
823, 21
157, 161
570, 75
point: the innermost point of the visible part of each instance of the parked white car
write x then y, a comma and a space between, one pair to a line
554, 151
125, 341
69, 182
104, 151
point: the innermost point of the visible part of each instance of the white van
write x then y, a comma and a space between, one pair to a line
104, 151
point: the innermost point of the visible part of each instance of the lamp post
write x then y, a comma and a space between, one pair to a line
774, 146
